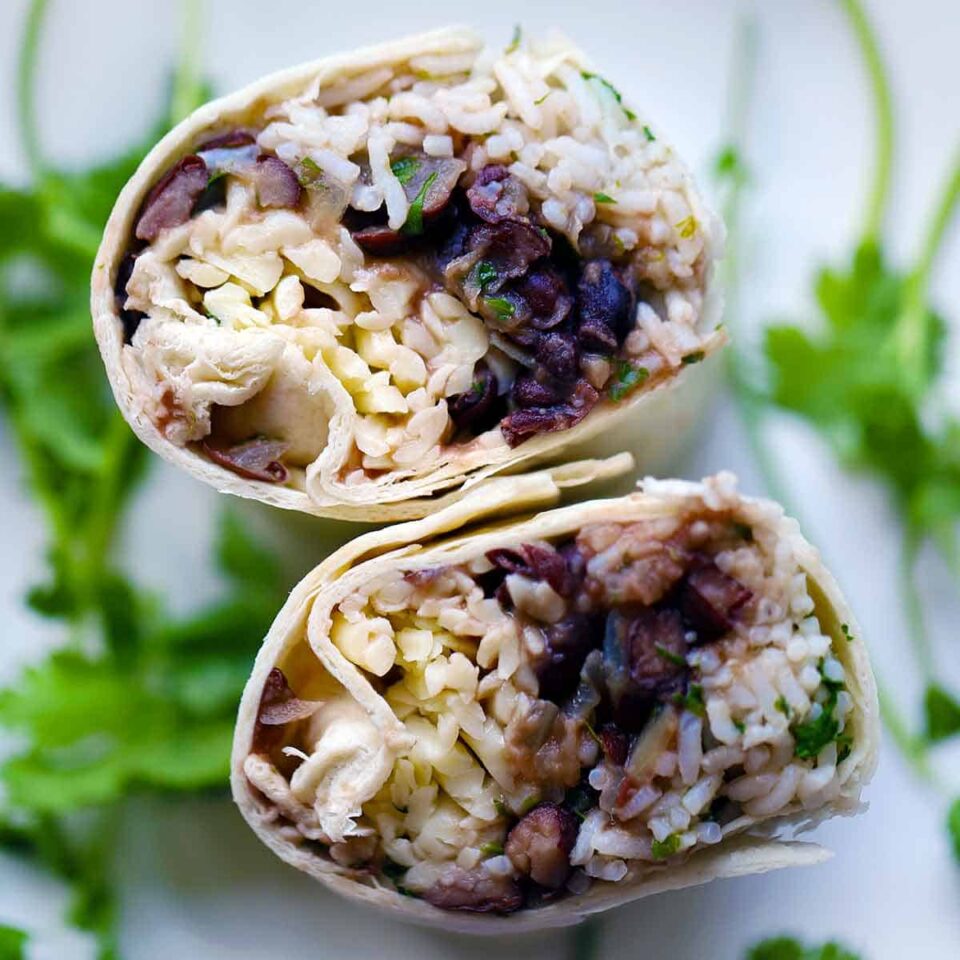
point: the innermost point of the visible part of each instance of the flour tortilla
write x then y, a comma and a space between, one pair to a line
444, 538
655, 425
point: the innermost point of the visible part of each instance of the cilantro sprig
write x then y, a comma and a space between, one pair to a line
790, 948
866, 376
110, 712
12, 943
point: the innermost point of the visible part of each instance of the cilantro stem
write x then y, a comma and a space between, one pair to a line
586, 937
911, 747
187, 85
913, 605
741, 375
26, 76
912, 332
883, 117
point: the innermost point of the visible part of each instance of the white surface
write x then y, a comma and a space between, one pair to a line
196, 882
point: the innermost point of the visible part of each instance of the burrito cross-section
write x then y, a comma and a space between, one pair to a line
364, 281
560, 713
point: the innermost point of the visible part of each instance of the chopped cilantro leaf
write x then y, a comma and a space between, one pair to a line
740, 725
812, 736
491, 849
502, 809
587, 75
414, 223
529, 804
580, 799
603, 198
516, 39
405, 168
670, 656
648, 133
628, 378
942, 713
782, 705
503, 309
485, 273
691, 358
789, 948
309, 172
540, 100
692, 700
845, 630
662, 849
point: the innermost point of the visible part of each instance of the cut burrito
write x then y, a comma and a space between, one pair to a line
368, 280
519, 724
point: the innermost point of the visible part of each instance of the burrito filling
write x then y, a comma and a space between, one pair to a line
439, 260
576, 710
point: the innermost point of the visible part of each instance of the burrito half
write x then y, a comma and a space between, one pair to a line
518, 725
384, 275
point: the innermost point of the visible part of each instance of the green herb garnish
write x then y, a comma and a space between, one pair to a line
587, 75
515, 40
540, 100
309, 172
687, 227
942, 714
670, 656
529, 804
789, 948
663, 849
691, 358
865, 372
628, 378
485, 273
812, 736
109, 712
953, 828
782, 705
740, 725
648, 133
502, 809
413, 225
405, 169
491, 849
692, 700
603, 198
845, 630
12, 943
580, 800
503, 309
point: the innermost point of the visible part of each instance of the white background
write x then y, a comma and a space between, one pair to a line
196, 883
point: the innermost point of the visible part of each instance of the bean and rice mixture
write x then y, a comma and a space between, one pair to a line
576, 710
444, 257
